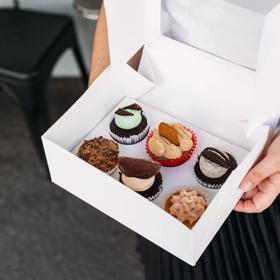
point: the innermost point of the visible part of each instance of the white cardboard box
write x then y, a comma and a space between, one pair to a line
188, 84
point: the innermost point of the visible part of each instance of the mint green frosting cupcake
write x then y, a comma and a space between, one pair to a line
129, 125
128, 121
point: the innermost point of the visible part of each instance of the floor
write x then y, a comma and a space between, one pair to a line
45, 232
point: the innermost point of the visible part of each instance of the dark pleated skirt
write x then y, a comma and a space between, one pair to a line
246, 247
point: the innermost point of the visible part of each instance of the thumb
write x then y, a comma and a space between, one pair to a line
261, 171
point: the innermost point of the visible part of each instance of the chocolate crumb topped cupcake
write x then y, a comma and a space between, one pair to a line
213, 167
129, 125
142, 176
101, 153
187, 206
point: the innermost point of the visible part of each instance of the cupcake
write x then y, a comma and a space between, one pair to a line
171, 144
213, 167
187, 206
142, 176
101, 153
129, 125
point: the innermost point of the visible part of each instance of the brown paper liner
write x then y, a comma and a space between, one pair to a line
168, 205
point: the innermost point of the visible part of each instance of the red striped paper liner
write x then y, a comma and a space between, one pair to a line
172, 162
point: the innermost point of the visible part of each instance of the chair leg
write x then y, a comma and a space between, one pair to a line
79, 59
34, 105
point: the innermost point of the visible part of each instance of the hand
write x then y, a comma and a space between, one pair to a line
262, 183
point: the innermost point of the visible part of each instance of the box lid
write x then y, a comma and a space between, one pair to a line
133, 23
266, 105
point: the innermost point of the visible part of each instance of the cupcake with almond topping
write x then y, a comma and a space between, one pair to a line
186, 205
141, 175
171, 144
129, 125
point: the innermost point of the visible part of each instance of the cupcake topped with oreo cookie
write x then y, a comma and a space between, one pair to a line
129, 125
213, 167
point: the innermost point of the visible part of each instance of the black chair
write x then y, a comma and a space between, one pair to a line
89, 9
30, 45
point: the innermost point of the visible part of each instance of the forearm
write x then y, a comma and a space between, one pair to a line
100, 53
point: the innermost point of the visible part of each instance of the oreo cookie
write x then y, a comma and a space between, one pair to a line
213, 167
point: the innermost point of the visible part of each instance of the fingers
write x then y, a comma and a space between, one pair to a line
261, 197
268, 166
249, 194
265, 197
245, 206
262, 183
275, 179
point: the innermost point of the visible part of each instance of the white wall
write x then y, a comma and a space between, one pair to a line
66, 66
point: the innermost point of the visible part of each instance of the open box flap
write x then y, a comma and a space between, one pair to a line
133, 23
182, 97
266, 104
95, 103
125, 23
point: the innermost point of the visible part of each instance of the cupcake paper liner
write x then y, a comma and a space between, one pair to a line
204, 184
150, 193
133, 139
160, 188
112, 171
187, 188
207, 185
201, 192
172, 162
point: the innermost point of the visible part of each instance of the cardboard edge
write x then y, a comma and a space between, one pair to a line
163, 230
99, 98
267, 81
147, 71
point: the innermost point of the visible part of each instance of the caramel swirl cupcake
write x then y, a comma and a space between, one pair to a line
171, 144
187, 206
